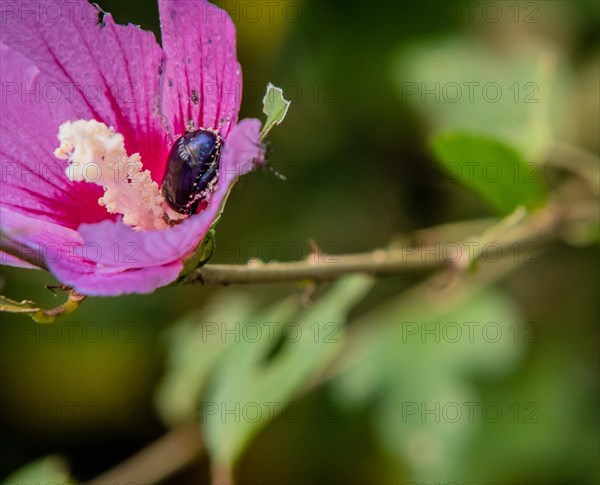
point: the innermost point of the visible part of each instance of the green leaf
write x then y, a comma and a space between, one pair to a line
48, 470
195, 346
415, 361
275, 106
516, 95
199, 257
258, 378
492, 169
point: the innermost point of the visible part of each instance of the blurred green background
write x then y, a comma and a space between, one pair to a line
359, 175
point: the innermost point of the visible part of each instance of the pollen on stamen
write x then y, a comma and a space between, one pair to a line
96, 154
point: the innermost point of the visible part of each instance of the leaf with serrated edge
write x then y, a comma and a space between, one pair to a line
275, 106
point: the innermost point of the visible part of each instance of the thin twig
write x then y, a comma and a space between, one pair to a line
40, 315
375, 262
409, 258
578, 161
171, 453
221, 475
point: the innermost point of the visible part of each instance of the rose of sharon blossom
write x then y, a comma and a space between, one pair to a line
88, 114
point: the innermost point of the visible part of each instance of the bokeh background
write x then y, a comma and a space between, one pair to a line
354, 150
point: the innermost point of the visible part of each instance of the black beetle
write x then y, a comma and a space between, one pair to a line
192, 170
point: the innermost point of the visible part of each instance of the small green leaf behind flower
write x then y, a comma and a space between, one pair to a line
275, 106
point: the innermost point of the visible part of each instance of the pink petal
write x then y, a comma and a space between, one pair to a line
72, 68
52, 242
32, 179
10, 260
87, 280
202, 78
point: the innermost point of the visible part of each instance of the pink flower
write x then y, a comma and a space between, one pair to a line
66, 62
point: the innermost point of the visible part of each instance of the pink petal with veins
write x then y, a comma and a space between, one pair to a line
120, 76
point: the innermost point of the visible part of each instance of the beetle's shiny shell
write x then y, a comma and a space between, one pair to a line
192, 170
